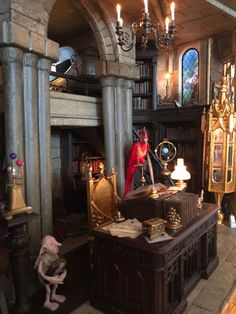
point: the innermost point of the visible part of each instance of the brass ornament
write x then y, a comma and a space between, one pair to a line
173, 219
15, 183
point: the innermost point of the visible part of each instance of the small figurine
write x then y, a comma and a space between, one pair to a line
200, 199
51, 271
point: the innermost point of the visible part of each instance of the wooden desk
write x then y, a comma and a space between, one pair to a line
132, 276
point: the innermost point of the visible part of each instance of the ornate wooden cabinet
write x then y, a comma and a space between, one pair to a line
132, 276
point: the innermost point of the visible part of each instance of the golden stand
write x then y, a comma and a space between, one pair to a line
17, 203
154, 194
219, 197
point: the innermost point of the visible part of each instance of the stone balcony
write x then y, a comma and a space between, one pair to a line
75, 110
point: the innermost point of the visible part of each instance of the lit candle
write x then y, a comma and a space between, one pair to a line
172, 8
145, 6
167, 25
167, 76
118, 8
121, 22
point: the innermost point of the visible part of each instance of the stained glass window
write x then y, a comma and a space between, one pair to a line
190, 77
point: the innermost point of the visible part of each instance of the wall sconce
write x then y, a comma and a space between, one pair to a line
219, 158
180, 174
145, 27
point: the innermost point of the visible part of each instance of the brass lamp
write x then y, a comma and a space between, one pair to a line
219, 161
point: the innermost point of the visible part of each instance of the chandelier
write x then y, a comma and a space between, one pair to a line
162, 37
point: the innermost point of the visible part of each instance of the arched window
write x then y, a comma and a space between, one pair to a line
190, 76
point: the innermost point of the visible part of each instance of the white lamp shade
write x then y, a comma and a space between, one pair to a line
180, 172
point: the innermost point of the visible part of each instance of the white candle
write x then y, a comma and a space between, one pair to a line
172, 8
167, 25
121, 22
167, 76
118, 8
145, 6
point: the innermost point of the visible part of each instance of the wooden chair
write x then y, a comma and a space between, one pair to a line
102, 198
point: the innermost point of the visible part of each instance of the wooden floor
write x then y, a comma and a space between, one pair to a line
230, 306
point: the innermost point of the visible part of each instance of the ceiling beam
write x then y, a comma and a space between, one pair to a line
223, 7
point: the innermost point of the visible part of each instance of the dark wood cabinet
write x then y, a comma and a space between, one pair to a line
181, 126
132, 276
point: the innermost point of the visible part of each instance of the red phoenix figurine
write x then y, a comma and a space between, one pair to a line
137, 157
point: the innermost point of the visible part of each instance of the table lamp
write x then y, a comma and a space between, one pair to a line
180, 174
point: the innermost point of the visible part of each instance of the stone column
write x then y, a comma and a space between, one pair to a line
32, 190
44, 66
11, 59
117, 113
128, 115
119, 134
108, 100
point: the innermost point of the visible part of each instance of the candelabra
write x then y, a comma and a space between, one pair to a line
162, 37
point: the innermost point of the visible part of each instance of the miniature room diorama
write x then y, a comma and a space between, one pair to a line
117, 152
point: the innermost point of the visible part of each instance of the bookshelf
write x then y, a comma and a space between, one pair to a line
76, 158
145, 90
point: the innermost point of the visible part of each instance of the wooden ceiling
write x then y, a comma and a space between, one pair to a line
195, 19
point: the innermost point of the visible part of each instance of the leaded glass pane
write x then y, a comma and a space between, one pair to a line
190, 77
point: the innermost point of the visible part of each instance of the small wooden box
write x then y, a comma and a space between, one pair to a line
153, 227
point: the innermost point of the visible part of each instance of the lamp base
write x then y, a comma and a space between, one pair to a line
181, 183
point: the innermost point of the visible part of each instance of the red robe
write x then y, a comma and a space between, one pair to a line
137, 156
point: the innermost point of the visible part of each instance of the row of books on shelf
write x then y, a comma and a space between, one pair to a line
140, 103
181, 133
142, 88
144, 69
186, 151
82, 166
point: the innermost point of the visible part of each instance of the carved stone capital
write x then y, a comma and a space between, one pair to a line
30, 60
129, 84
44, 65
120, 82
10, 55
108, 81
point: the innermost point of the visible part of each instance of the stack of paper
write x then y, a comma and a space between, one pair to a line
131, 228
